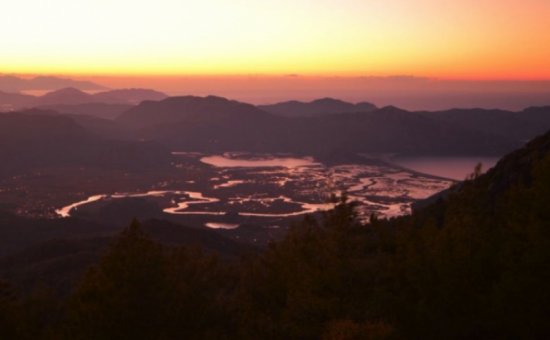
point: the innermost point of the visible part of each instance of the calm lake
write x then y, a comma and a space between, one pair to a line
449, 167
285, 162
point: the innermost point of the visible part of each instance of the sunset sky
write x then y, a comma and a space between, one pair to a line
457, 39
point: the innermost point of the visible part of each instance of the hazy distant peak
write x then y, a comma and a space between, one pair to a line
74, 96
67, 91
69, 95
12, 83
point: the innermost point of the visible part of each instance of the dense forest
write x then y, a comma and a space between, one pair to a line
474, 264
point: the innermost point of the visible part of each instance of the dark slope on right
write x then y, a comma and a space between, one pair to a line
479, 259
472, 266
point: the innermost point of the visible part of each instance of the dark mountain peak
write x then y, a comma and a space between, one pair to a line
290, 102
183, 108
329, 100
180, 98
199, 100
216, 98
205, 99
391, 109
518, 166
133, 90
212, 102
67, 91
321, 106
366, 106
68, 95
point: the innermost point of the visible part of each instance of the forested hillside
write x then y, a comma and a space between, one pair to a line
473, 265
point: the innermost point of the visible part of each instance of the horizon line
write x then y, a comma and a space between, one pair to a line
274, 76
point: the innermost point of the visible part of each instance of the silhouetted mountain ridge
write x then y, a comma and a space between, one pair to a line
213, 124
316, 107
69, 96
38, 138
187, 109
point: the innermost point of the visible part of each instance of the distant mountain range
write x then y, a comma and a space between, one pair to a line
214, 124
73, 96
316, 108
325, 128
9, 83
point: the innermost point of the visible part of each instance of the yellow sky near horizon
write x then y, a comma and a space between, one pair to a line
467, 39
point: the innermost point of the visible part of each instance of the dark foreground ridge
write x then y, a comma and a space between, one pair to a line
473, 265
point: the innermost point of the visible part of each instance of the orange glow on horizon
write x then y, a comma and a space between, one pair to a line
445, 39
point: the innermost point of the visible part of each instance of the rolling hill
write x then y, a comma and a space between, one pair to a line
37, 138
